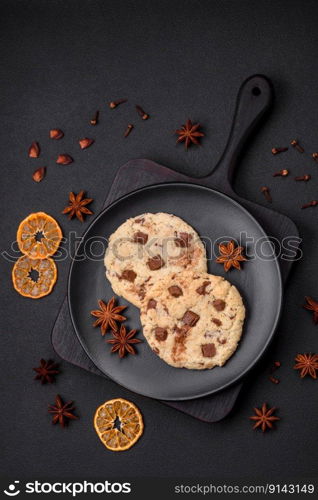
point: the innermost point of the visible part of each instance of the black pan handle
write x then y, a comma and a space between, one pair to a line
253, 101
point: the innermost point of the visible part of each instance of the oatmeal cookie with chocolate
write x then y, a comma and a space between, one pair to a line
148, 247
193, 320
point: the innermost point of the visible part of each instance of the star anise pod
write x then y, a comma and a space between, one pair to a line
264, 417
108, 315
230, 256
312, 305
77, 206
122, 341
189, 134
46, 371
307, 364
62, 411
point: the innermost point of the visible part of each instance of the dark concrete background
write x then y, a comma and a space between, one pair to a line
60, 62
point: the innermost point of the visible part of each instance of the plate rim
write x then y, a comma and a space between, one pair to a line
280, 290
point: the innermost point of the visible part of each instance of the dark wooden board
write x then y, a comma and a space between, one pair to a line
251, 107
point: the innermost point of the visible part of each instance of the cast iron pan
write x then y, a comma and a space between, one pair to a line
213, 214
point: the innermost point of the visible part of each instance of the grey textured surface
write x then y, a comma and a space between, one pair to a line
60, 62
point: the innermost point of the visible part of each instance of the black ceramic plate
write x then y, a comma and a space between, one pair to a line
212, 215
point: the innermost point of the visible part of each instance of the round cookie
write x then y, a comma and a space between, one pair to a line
147, 247
193, 320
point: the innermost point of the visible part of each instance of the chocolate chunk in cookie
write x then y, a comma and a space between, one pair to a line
155, 263
208, 350
190, 318
152, 304
140, 237
175, 291
219, 304
217, 322
183, 330
201, 290
129, 275
161, 333
183, 240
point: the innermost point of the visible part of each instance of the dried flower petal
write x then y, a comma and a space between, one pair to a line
85, 143
34, 150
39, 174
56, 133
64, 159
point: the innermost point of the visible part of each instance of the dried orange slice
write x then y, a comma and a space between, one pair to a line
34, 287
130, 424
39, 235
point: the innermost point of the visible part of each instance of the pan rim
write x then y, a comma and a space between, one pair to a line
245, 371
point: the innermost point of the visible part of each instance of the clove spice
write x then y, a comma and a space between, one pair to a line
128, 129
114, 104
275, 365
297, 146
306, 177
274, 379
142, 113
93, 121
276, 151
266, 193
281, 173
315, 156
310, 204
